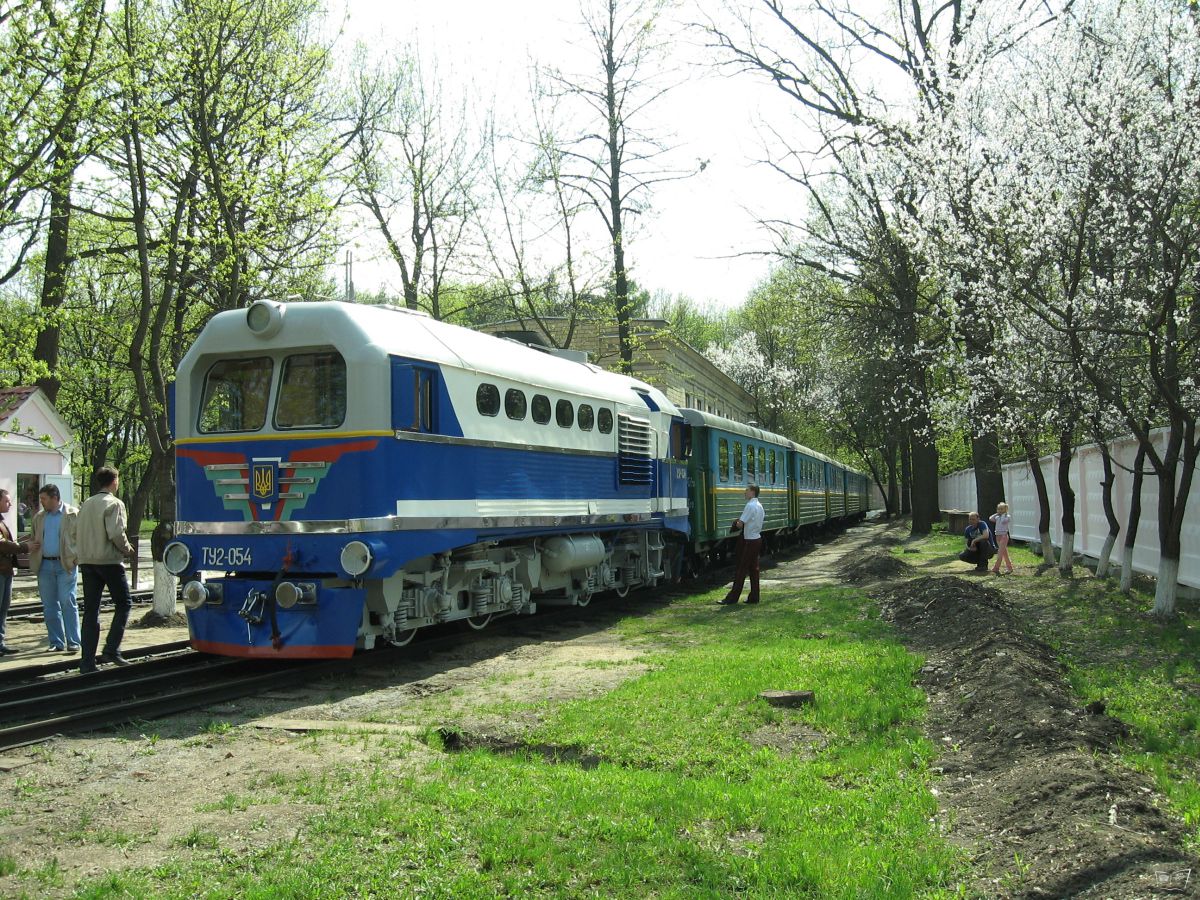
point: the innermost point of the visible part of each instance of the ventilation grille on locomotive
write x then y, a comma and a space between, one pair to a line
635, 460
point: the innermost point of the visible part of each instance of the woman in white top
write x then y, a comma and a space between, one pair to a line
1001, 522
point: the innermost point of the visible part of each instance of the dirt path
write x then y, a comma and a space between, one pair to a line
1027, 780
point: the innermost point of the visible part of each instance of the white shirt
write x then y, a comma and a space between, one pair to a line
752, 520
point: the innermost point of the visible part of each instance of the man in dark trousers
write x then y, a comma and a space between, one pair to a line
750, 523
979, 544
102, 547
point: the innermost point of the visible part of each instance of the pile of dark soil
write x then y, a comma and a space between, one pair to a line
154, 620
1028, 783
873, 565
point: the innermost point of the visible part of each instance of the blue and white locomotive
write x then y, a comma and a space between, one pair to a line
347, 474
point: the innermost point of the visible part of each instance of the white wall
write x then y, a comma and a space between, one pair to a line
957, 491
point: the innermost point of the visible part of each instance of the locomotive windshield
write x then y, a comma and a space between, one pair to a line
235, 395
312, 391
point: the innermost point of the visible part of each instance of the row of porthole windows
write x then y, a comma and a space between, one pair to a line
487, 401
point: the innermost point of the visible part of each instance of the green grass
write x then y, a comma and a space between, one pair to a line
681, 804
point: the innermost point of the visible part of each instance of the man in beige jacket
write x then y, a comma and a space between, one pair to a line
101, 546
52, 560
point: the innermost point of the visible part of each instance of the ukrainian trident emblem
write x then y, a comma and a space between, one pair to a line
264, 480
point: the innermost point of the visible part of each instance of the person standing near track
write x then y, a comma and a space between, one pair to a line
52, 559
750, 523
9, 549
102, 547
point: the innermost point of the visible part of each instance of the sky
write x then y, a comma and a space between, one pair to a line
699, 238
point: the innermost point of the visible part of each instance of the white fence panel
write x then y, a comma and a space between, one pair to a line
957, 491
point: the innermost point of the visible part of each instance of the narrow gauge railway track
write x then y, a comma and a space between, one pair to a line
84, 702
28, 609
245, 677
28, 673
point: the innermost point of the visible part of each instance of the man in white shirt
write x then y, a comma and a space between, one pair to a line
750, 524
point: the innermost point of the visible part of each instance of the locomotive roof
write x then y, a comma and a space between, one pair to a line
361, 329
696, 417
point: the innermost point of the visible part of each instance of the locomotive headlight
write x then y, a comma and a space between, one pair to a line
196, 593
356, 558
265, 318
176, 558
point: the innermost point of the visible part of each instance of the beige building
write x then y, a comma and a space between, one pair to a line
661, 359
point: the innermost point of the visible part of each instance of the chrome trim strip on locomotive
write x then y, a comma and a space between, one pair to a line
423, 437
405, 523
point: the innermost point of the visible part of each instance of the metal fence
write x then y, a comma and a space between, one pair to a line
957, 491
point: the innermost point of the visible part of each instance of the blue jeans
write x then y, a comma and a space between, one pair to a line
56, 585
5, 600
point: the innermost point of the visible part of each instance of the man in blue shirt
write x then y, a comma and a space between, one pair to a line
979, 544
52, 559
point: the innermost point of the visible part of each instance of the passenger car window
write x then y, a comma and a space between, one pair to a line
564, 413
723, 459
541, 409
737, 460
487, 399
762, 463
587, 418
750, 462
312, 391
235, 395
514, 404
604, 420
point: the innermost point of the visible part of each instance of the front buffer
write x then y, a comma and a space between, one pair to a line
243, 617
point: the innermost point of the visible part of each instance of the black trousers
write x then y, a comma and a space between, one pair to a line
979, 555
95, 579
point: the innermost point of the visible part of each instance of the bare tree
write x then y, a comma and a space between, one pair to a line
612, 157
415, 169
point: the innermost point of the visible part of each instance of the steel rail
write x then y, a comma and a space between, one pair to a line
74, 691
69, 664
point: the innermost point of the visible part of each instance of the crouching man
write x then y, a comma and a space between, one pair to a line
979, 544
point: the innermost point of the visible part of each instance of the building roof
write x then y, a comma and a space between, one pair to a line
13, 398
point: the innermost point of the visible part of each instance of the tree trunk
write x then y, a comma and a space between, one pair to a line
54, 281
925, 507
906, 476
1066, 493
1171, 507
1114, 524
1039, 482
166, 585
989, 476
1135, 515
892, 499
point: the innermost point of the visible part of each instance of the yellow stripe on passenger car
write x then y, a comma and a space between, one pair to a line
290, 436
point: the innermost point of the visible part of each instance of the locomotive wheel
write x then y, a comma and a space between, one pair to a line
583, 599
622, 590
404, 638
478, 623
